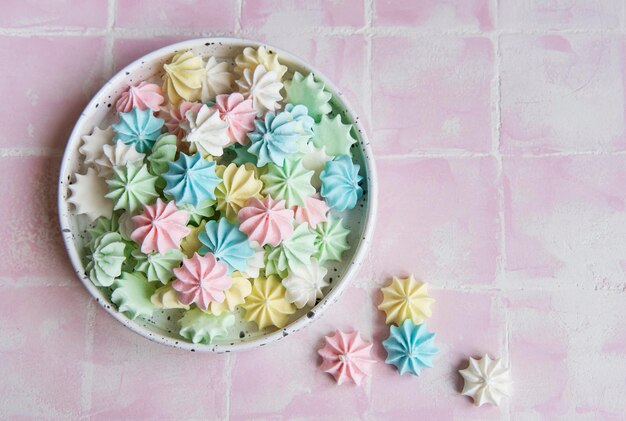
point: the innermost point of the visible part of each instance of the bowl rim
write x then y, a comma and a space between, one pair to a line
315, 312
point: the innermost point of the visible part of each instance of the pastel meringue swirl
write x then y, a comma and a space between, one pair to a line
191, 180
161, 227
274, 138
266, 221
139, 128
290, 182
227, 243
143, 96
340, 183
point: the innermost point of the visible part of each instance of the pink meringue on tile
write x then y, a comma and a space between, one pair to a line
176, 115
239, 113
347, 357
266, 221
201, 280
160, 227
143, 96
313, 212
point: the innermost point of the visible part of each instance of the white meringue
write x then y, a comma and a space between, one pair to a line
486, 380
256, 262
92, 145
206, 131
88, 195
116, 155
304, 284
263, 87
218, 79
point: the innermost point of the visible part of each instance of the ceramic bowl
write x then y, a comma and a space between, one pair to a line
162, 326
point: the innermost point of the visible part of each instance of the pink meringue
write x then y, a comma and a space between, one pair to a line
239, 113
313, 212
160, 228
143, 96
266, 221
201, 280
177, 115
346, 356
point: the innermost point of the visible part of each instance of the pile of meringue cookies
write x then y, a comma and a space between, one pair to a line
410, 347
221, 188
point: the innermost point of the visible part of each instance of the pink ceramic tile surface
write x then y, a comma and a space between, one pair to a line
431, 94
565, 221
441, 224
500, 128
281, 16
551, 14
53, 14
455, 14
191, 15
57, 77
43, 332
567, 354
569, 98
30, 224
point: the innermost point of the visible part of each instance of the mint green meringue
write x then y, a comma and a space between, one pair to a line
131, 187
296, 250
105, 264
132, 295
309, 92
200, 327
163, 152
158, 267
331, 240
290, 182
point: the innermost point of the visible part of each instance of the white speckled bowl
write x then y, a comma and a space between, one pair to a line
162, 326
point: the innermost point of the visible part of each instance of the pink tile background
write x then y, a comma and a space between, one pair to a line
499, 128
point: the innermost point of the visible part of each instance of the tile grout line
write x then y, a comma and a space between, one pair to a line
369, 17
497, 150
109, 35
238, 18
324, 31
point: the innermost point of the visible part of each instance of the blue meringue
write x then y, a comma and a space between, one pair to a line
340, 183
227, 243
191, 180
275, 138
300, 114
410, 347
139, 128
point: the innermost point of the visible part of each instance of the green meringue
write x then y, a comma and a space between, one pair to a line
200, 327
297, 249
271, 265
331, 240
163, 152
105, 264
310, 93
132, 295
333, 135
158, 267
290, 182
199, 213
131, 187
102, 225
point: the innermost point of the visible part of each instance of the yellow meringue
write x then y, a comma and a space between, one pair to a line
234, 296
405, 299
266, 305
183, 77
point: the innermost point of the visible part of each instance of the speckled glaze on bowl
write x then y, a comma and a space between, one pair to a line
162, 327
